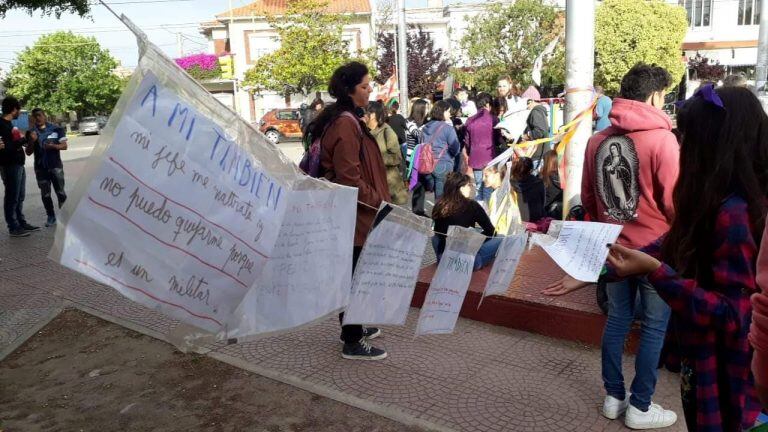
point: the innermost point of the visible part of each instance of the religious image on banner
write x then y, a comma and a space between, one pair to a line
388, 268
185, 208
449, 285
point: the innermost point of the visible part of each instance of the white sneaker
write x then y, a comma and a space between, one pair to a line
655, 417
613, 408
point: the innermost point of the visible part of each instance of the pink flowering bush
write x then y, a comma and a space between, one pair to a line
201, 66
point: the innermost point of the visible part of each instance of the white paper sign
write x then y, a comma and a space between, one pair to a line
449, 285
581, 250
387, 271
505, 265
307, 276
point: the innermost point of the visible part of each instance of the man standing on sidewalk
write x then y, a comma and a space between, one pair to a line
49, 170
12, 170
630, 171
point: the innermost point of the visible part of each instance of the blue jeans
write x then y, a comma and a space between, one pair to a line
484, 256
654, 313
14, 178
436, 181
483, 192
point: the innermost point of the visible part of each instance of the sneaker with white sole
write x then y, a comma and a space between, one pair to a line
613, 408
655, 417
362, 351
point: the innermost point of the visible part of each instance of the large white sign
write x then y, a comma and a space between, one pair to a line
186, 209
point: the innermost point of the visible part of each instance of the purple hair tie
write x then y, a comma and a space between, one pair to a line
707, 93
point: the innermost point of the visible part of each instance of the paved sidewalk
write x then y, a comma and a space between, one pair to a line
481, 378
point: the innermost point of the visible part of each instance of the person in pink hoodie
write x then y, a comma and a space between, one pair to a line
758, 332
630, 170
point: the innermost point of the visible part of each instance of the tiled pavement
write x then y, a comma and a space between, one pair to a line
481, 378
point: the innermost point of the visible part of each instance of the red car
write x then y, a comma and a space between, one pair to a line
279, 124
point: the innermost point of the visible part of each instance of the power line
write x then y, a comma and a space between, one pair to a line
138, 2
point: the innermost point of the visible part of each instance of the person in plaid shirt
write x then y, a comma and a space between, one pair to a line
705, 267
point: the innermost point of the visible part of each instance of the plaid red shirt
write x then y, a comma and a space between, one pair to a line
713, 322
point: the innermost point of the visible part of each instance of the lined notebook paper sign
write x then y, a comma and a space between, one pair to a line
580, 249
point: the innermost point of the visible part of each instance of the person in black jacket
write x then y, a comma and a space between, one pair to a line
456, 208
530, 190
397, 122
12, 156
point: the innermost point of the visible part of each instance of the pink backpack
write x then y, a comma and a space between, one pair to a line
427, 161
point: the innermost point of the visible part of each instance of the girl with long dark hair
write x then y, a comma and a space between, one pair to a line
439, 132
529, 190
413, 136
705, 266
553, 201
350, 156
456, 208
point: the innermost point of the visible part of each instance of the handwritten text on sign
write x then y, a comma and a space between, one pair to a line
178, 216
505, 264
580, 249
386, 275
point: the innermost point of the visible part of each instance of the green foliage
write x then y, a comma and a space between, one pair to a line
505, 40
311, 48
65, 72
201, 74
632, 31
46, 7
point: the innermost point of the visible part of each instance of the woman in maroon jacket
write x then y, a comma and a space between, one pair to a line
350, 156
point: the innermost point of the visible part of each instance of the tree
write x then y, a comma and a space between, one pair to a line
46, 7
631, 31
506, 39
704, 69
427, 66
65, 72
311, 48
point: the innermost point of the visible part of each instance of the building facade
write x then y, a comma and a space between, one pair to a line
245, 34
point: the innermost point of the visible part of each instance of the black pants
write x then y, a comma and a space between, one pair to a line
354, 332
47, 178
418, 200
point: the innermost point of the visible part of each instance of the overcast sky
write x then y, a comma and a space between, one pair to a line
161, 19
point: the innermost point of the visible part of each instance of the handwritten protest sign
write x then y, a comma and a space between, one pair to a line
505, 264
449, 285
183, 204
580, 249
298, 285
386, 273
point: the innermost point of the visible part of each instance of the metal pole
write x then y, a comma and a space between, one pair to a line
402, 58
580, 68
761, 71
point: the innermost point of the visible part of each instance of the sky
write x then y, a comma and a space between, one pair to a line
160, 19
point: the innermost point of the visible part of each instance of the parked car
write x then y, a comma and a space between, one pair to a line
90, 125
279, 124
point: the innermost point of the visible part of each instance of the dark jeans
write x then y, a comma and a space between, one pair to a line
354, 332
14, 178
47, 178
622, 309
430, 182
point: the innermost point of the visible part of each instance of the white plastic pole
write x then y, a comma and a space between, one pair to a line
580, 65
402, 58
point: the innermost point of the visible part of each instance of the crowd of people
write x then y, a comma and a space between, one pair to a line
692, 203
44, 141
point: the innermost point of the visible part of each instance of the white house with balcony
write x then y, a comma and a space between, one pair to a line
245, 34
723, 30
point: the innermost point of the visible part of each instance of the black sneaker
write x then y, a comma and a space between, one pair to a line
362, 351
20, 232
30, 228
368, 333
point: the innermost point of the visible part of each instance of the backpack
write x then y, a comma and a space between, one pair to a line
426, 157
310, 162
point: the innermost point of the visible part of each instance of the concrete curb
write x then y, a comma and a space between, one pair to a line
392, 413
8, 349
